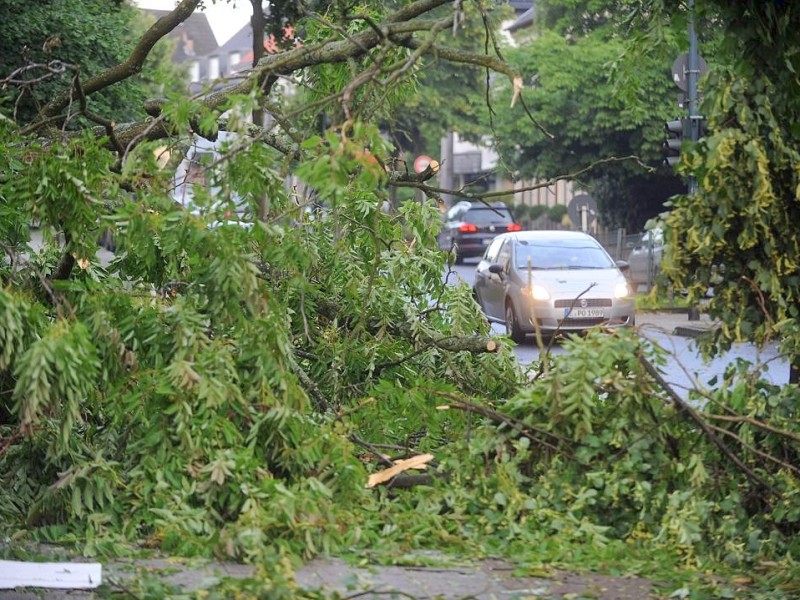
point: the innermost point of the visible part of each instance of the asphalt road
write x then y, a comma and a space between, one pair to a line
674, 332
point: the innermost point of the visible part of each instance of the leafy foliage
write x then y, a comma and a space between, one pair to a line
86, 35
225, 390
605, 134
737, 232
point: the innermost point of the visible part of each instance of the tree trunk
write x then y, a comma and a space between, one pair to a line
257, 21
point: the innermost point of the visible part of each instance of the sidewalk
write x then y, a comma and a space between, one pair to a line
675, 322
436, 576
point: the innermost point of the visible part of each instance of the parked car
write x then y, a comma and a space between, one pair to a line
470, 226
644, 259
558, 281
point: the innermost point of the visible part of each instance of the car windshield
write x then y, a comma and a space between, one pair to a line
488, 216
653, 236
561, 254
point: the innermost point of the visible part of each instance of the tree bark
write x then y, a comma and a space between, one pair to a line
257, 22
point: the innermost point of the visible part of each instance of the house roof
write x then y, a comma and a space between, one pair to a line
520, 6
242, 41
524, 20
195, 36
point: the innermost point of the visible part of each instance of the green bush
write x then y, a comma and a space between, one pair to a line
521, 212
556, 213
537, 211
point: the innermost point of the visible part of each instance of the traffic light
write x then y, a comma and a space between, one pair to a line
676, 130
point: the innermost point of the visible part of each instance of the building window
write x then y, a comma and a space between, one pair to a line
213, 67
194, 71
234, 59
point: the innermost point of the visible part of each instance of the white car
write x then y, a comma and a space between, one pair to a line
556, 281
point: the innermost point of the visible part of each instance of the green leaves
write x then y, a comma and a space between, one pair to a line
55, 378
734, 233
610, 139
14, 328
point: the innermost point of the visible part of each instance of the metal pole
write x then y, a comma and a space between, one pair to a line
446, 175
694, 118
691, 78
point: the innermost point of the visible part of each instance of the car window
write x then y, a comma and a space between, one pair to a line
654, 237
457, 211
482, 216
504, 254
493, 249
562, 254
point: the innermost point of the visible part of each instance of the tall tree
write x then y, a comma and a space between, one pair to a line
607, 142
737, 233
45, 44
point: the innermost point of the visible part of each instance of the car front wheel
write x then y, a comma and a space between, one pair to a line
513, 330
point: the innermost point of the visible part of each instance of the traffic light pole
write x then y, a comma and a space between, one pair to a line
692, 74
694, 118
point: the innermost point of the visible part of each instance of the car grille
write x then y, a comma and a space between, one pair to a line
572, 323
590, 303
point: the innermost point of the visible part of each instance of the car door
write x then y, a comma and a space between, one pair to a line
494, 284
483, 277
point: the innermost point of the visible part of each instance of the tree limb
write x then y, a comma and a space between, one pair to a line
523, 429
707, 430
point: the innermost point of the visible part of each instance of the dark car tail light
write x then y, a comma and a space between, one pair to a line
515, 227
468, 228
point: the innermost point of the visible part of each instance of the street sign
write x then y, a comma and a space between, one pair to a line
582, 210
680, 67
421, 163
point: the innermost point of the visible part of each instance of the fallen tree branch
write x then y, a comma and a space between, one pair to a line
522, 428
707, 431
477, 344
754, 423
765, 455
321, 403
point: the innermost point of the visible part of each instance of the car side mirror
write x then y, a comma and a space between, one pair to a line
496, 269
623, 265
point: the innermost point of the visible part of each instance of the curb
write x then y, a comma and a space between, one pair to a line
691, 332
675, 323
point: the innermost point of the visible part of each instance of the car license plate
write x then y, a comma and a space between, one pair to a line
583, 313
486, 241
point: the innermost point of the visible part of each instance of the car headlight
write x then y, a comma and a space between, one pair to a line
621, 290
537, 292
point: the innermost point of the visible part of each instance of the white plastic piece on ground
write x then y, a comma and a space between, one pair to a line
18, 574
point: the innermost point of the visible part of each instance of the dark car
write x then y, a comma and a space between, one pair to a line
470, 227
